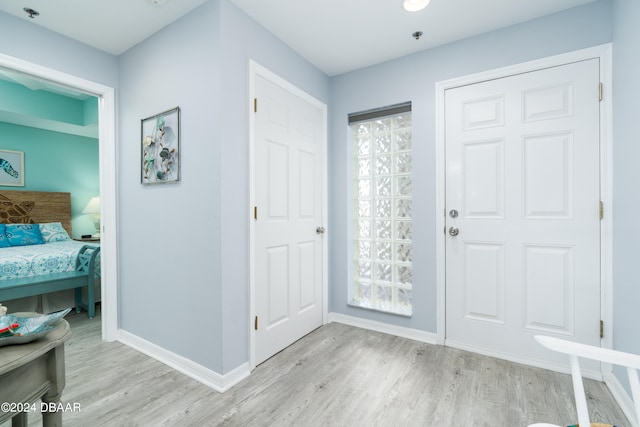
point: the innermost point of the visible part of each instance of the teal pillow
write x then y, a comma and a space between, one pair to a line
53, 232
4, 243
23, 234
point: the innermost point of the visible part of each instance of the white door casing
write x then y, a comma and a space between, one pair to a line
288, 180
508, 195
107, 176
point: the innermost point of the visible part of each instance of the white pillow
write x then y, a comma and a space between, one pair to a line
53, 232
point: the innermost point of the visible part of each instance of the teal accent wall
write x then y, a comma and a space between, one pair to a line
58, 134
55, 161
38, 103
90, 111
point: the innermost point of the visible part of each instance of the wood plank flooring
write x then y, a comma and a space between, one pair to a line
336, 376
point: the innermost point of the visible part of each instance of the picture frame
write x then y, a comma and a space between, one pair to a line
11, 168
160, 148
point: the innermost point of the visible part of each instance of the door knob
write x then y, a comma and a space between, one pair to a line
453, 231
320, 230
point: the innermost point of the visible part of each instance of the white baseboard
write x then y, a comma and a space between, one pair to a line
400, 331
218, 382
620, 395
222, 383
523, 360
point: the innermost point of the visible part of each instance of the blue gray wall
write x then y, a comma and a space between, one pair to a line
413, 78
626, 176
169, 234
183, 247
243, 39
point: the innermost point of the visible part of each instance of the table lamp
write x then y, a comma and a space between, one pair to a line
93, 209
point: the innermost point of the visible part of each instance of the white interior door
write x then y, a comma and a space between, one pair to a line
288, 259
522, 193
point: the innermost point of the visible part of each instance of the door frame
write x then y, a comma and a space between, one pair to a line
602, 52
107, 177
256, 70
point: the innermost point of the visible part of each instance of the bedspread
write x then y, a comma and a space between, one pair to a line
36, 260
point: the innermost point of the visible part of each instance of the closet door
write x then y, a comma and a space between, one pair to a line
288, 219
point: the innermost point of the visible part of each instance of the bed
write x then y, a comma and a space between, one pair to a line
41, 267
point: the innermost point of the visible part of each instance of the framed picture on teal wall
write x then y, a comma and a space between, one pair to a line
160, 143
12, 168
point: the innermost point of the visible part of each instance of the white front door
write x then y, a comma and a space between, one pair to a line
288, 249
522, 212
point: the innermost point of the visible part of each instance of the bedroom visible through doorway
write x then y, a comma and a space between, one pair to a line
107, 162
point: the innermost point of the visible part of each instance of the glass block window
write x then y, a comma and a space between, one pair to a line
383, 227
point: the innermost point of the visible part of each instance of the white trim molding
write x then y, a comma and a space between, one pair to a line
385, 328
219, 382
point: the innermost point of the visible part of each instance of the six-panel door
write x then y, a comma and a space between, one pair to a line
522, 170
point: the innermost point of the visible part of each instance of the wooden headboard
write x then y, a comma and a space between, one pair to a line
35, 207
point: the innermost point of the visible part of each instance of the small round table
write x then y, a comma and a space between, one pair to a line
31, 372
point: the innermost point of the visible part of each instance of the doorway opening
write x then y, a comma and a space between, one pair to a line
107, 176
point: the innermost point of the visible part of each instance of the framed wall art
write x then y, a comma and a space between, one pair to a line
160, 148
12, 168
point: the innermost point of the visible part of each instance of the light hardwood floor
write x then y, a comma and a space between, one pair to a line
336, 376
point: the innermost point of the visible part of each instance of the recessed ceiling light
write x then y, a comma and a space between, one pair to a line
414, 5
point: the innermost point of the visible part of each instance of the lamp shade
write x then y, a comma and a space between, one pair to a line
93, 207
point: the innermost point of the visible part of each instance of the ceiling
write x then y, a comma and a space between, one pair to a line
337, 36
113, 26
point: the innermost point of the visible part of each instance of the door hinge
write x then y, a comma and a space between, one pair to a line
255, 105
256, 323
601, 210
255, 212
602, 329
600, 90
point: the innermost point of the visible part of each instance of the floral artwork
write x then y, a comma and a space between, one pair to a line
160, 147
